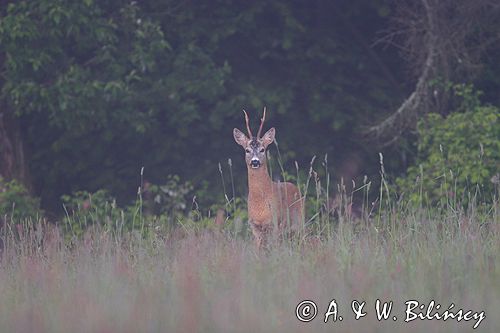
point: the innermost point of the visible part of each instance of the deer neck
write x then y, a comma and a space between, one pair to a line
259, 182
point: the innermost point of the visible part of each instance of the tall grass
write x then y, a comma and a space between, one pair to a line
214, 280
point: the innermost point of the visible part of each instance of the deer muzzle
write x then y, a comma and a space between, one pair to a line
255, 163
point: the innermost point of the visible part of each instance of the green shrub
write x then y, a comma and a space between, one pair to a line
84, 209
16, 202
157, 206
173, 198
458, 158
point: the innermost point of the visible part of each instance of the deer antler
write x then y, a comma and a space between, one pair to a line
262, 122
248, 125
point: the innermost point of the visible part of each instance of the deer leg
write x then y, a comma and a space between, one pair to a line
257, 235
260, 235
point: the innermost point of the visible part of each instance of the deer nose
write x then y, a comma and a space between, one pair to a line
255, 163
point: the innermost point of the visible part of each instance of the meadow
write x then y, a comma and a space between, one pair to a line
213, 280
91, 92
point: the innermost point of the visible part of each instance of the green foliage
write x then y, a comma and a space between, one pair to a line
173, 198
16, 202
459, 157
85, 77
157, 207
104, 88
155, 84
84, 209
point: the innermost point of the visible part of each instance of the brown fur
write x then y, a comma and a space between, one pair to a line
270, 204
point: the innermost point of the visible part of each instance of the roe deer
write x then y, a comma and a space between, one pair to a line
268, 201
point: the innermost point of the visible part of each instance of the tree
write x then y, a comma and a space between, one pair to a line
101, 89
73, 70
444, 42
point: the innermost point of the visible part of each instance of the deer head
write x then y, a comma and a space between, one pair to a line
255, 147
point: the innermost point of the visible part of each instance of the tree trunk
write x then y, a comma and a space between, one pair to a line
12, 154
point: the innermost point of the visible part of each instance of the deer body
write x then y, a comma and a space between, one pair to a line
270, 204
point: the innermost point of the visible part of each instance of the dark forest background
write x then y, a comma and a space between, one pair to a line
92, 91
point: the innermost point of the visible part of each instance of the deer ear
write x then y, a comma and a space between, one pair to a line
239, 137
268, 138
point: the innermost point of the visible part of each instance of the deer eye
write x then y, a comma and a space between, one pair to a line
248, 151
261, 150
